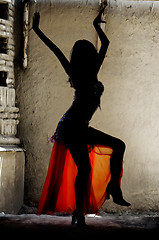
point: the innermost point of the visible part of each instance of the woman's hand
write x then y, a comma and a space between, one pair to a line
98, 19
36, 20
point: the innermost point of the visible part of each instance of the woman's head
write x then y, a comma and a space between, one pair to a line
84, 59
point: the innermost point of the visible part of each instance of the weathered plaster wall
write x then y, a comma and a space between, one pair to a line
129, 104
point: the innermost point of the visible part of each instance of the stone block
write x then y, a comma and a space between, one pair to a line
11, 74
5, 68
8, 115
12, 160
2, 27
11, 53
5, 34
11, 47
6, 22
2, 62
9, 110
11, 12
8, 127
7, 97
11, 41
10, 97
6, 57
11, 19
11, 6
6, 1
10, 82
9, 140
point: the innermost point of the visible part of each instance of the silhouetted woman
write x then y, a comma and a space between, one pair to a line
86, 164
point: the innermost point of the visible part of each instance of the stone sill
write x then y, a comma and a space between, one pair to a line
8, 141
10, 148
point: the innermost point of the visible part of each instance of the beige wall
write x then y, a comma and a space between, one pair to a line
12, 162
130, 102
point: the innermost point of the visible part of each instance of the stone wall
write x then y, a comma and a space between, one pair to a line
8, 111
11, 156
129, 104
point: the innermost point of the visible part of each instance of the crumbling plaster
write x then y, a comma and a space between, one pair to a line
129, 104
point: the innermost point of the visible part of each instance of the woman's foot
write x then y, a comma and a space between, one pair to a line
78, 219
117, 196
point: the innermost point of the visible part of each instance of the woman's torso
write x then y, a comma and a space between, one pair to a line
75, 121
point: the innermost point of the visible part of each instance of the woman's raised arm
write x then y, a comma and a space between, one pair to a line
103, 38
59, 54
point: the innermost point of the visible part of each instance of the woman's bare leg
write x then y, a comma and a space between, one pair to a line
97, 137
118, 146
80, 155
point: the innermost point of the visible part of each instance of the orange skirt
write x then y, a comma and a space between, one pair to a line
58, 193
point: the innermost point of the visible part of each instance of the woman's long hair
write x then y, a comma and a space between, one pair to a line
84, 59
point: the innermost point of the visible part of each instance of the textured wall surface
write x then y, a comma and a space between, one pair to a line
12, 162
129, 104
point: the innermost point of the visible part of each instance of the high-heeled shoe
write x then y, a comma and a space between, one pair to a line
78, 219
117, 195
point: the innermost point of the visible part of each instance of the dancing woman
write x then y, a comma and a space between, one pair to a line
75, 139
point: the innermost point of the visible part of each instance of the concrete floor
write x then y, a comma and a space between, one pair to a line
105, 225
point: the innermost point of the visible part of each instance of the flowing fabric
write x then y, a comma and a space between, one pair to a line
58, 193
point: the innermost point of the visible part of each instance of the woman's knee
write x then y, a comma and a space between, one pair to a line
120, 145
97, 137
